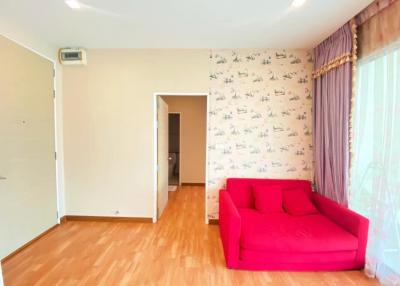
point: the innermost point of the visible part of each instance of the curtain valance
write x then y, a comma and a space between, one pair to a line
338, 49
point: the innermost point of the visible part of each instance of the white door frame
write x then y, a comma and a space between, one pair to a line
1, 276
155, 143
180, 144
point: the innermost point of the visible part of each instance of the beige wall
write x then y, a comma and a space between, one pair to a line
193, 110
259, 121
108, 125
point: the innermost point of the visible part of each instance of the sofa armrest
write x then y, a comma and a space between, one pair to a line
230, 228
351, 221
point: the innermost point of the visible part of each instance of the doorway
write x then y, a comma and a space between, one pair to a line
174, 142
181, 124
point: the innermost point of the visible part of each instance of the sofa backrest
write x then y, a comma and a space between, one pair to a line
241, 193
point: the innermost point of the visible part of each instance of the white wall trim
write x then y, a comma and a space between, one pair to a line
155, 96
59, 141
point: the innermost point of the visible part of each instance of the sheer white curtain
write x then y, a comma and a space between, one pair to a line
375, 172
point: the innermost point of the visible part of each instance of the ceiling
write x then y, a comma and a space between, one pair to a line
181, 23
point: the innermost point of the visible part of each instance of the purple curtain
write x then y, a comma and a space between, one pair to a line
331, 115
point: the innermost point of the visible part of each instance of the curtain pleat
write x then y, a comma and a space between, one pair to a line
331, 107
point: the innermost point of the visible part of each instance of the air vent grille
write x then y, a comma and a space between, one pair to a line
72, 56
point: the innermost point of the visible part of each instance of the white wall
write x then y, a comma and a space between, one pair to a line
108, 125
47, 50
27, 39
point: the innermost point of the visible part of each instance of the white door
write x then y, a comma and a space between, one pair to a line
1, 276
162, 156
28, 197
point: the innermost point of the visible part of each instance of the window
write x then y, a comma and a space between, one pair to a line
375, 172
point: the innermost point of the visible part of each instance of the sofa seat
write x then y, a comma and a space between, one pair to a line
284, 233
329, 237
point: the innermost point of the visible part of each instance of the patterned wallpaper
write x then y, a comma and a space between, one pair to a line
259, 117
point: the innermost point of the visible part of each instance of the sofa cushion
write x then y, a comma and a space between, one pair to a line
241, 191
281, 232
267, 199
297, 202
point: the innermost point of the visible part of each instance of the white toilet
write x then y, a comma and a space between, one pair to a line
172, 160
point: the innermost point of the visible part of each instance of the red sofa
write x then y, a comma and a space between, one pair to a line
334, 238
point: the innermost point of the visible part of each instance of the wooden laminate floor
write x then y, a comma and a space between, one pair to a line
179, 250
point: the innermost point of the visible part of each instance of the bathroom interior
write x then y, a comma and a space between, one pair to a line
174, 149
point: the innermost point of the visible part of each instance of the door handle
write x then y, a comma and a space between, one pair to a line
3, 178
